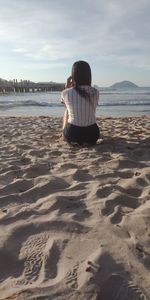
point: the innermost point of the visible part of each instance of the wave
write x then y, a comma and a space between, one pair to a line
16, 104
145, 110
5, 105
35, 103
127, 103
124, 93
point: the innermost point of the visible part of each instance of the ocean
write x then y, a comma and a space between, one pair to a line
125, 102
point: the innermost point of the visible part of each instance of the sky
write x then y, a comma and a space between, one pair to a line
41, 39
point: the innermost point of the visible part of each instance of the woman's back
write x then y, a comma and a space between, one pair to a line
80, 99
81, 110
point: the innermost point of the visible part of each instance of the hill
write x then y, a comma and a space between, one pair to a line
124, 84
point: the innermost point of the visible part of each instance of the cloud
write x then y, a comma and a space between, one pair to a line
19, 50
51, 31
43, 66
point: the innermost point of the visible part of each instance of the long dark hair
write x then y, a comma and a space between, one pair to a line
81, 75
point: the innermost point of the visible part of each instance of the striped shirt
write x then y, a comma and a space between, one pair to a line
81, 111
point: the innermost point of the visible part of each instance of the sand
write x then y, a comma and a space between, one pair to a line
74, 222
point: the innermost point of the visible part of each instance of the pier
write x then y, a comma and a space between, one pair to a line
26, 86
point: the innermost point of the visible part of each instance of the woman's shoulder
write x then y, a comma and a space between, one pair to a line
90, 88
67, 91
96, 93
92, 91
95, 90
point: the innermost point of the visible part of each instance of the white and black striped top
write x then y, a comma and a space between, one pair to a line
81, 111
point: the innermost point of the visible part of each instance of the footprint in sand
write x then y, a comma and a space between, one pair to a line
74, 205
18, 186
117, 288
143, 255
37, 169
41, 256
142, 182
50, 259
72, 277
104, 191
96, 268
8, 177
44, 187
115, 207
82, 176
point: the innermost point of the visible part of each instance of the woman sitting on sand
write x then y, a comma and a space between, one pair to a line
80, 99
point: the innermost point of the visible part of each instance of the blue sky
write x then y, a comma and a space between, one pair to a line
40, 39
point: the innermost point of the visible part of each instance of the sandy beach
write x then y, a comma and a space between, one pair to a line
70, 217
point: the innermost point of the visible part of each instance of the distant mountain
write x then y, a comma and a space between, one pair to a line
123, 84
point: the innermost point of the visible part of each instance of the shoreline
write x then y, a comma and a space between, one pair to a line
70, 217
52, 116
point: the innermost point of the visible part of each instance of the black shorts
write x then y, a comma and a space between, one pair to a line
81, 135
